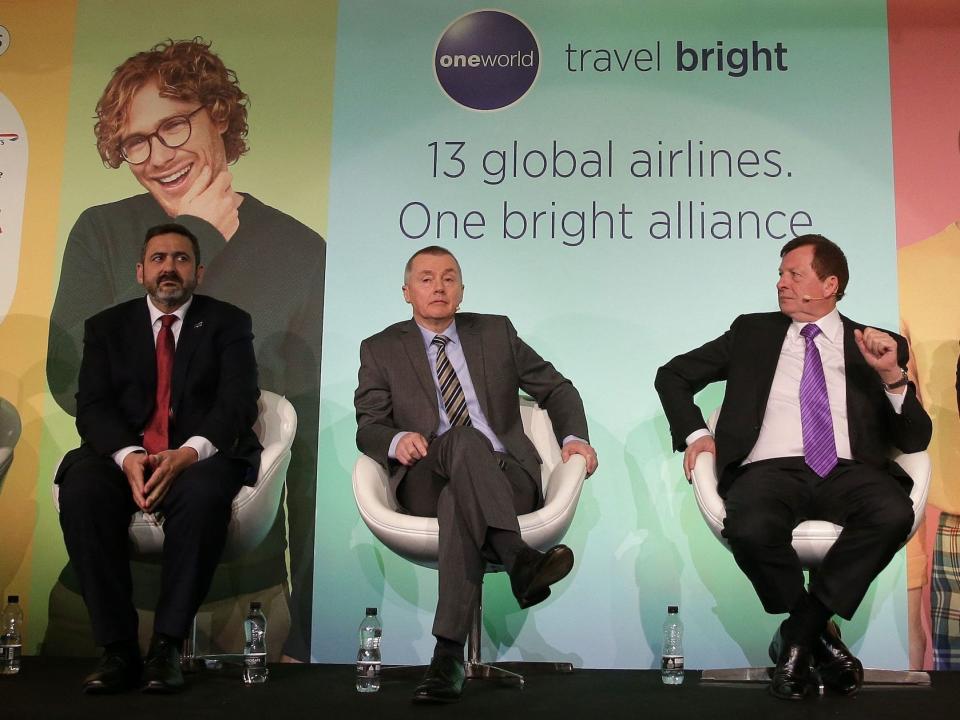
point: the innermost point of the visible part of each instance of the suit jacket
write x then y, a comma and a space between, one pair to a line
396, 390
746, 357
213, 388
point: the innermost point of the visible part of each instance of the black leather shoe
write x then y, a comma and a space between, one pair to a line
443, 682
114, 673
791, 677
534, 572
161, 670
838, 667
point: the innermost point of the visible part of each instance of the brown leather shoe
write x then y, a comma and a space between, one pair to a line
839, 668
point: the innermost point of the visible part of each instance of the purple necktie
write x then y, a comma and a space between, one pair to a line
819, 446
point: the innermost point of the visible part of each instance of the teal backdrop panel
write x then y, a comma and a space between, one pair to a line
670, 150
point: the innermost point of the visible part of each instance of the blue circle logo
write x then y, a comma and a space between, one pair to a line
487, 60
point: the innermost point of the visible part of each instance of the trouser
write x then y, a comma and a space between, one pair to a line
768, 499
95, 509
945, 594
469, 489
219, 623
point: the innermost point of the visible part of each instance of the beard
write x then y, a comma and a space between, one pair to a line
171, 294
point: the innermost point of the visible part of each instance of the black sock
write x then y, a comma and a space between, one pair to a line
807, 620
506, 544
448, 647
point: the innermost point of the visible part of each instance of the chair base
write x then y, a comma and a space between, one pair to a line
196, 663
871, 676
511, 671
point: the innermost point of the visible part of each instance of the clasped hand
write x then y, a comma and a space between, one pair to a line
150, 476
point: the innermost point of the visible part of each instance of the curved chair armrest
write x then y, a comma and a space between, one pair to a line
6, 460
917, 466
10, 429
705, 491
412, 537
545, 527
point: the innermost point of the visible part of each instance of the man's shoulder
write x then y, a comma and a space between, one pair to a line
481, 321
851, 325
761, 319
212, 306
391, 333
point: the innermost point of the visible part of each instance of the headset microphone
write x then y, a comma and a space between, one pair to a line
807, 298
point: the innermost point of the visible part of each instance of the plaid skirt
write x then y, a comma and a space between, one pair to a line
945, 594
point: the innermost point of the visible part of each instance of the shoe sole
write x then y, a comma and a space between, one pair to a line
161, 688
556, 568
432, 700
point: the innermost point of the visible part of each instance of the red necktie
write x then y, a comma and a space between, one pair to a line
156, 436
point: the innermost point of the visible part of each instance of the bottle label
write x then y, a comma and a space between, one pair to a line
671, 662
255, 661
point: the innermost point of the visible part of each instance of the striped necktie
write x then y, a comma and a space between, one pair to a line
816, 422
450, 389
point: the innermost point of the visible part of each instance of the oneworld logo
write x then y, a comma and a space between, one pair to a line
487, 60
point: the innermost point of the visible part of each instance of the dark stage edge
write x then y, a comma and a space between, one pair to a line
50, 688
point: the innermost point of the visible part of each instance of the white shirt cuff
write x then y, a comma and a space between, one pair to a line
571, 438
205, 449
120, 455
896, 400
392, 450
697, 434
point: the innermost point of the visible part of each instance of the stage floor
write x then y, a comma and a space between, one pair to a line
50, 688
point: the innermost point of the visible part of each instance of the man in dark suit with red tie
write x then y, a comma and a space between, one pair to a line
814, 402
166, 403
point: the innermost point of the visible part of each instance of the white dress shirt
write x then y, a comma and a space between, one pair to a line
781, 434
202, 445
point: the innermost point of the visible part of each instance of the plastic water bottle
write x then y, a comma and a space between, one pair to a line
255, 646
11, 638
368, 657
671, 664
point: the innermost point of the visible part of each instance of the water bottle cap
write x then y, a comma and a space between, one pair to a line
255, 605
371, 611
13, 599
673, 609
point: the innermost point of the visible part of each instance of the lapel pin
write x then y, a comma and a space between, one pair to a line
198, 325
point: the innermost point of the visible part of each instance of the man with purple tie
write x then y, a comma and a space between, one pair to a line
814, 401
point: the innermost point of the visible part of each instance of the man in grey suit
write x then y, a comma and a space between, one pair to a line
438, 405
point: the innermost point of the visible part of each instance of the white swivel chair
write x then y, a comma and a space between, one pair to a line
10, 429
811, 540
254, 508
416, 538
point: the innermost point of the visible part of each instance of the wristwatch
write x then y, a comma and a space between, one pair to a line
897, 383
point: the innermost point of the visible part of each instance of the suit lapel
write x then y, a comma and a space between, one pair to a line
854, 367
194, 326
412, 342
469, 334
768, 357
144, 349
